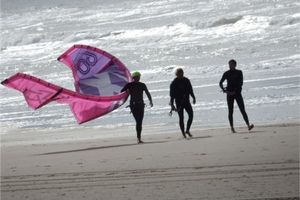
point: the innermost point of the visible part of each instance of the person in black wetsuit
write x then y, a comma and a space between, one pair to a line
137, 105
180, 90
233, 90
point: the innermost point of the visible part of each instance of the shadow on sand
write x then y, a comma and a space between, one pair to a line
102, 147
247, 132
199, 137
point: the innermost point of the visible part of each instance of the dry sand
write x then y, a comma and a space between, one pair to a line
215, 164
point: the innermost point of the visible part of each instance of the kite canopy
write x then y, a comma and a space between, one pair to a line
99, 78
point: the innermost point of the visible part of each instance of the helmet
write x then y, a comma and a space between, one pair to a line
136, 74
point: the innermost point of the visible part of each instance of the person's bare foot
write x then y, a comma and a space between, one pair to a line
250, 127
189, 134
232, 130
140, 142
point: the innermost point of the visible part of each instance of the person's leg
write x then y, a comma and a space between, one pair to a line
240, 102
181, 119
230, 103
138, 114
140, 122
189, 110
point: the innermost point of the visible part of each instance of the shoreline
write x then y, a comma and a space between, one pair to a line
87, 133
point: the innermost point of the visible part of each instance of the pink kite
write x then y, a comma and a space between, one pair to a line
98, 75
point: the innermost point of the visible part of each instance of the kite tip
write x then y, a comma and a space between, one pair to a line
4, 82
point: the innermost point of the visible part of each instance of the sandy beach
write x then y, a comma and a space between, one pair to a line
215, 164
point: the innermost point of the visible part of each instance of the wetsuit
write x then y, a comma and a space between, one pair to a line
180, 91
137, 104
234, 91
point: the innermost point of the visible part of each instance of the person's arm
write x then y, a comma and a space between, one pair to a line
172, 96
221, 83
125, 88
191, 91
240, 82
148, 95
241, 79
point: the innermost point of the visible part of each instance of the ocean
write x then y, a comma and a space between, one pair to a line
155, 38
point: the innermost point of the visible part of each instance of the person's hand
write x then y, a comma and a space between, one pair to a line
151, 104
194, 101
173, 107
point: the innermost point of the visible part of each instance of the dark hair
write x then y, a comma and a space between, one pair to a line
232, 62
179, 71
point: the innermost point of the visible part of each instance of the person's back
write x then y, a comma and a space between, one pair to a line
181, 89
234, 80
136, 90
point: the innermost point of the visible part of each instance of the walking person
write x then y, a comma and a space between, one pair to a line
180, 90
233, 90
137, 105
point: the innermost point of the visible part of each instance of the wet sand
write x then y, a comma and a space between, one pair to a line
215, 164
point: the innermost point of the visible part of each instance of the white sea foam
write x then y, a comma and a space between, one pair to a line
156, 37
163, 31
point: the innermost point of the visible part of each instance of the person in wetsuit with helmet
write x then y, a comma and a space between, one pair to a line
180, 90
137, 105
233, 90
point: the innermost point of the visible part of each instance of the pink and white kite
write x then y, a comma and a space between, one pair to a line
98, 76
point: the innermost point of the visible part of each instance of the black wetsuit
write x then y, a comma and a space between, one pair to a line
137, 104
180, 91
234, 91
